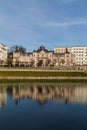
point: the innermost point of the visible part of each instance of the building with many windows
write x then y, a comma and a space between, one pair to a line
66, 57
80, 53
62, 49
3, 54
42, 57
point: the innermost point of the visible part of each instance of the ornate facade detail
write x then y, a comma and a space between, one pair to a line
42, 57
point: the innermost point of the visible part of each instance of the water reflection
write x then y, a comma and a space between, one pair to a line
44, 92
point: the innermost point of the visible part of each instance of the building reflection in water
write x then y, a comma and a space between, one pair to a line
42, 93
3, 95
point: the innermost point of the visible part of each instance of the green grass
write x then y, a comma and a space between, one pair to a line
41, 74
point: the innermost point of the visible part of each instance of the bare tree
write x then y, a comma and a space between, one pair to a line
18, 48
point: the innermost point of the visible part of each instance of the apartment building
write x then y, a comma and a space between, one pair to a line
80, 54
3, 54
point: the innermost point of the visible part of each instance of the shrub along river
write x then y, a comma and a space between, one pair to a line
43, 106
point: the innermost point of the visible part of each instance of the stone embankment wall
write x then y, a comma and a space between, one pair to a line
43, 78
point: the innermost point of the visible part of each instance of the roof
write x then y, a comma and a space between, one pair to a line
3, 44
63, 47
42, 48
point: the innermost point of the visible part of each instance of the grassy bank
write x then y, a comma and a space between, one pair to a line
41, 74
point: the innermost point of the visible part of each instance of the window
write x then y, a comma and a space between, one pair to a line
50, 55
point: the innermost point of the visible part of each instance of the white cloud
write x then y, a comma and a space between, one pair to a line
65, 24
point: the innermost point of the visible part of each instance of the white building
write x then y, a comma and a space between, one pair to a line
3, 54
80, 54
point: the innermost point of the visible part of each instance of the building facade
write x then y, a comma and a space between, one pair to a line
3, 54
42, 57
65, 56
62, 49
20, 59
80, 53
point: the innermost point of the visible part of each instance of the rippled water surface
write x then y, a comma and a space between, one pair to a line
43, 106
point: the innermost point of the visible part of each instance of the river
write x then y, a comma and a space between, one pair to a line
43, 106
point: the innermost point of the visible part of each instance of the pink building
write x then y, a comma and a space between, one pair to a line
42, 57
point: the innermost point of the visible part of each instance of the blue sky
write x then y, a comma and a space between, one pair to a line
51, 23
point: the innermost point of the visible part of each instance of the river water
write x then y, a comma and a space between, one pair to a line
43, 106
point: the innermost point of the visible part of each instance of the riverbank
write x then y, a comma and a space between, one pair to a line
40, 75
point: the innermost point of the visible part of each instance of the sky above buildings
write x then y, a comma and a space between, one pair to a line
52, 23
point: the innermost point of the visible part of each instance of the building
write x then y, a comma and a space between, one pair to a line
61, 49
20, 59
42, 57
80, 54
65, 57
3, 54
